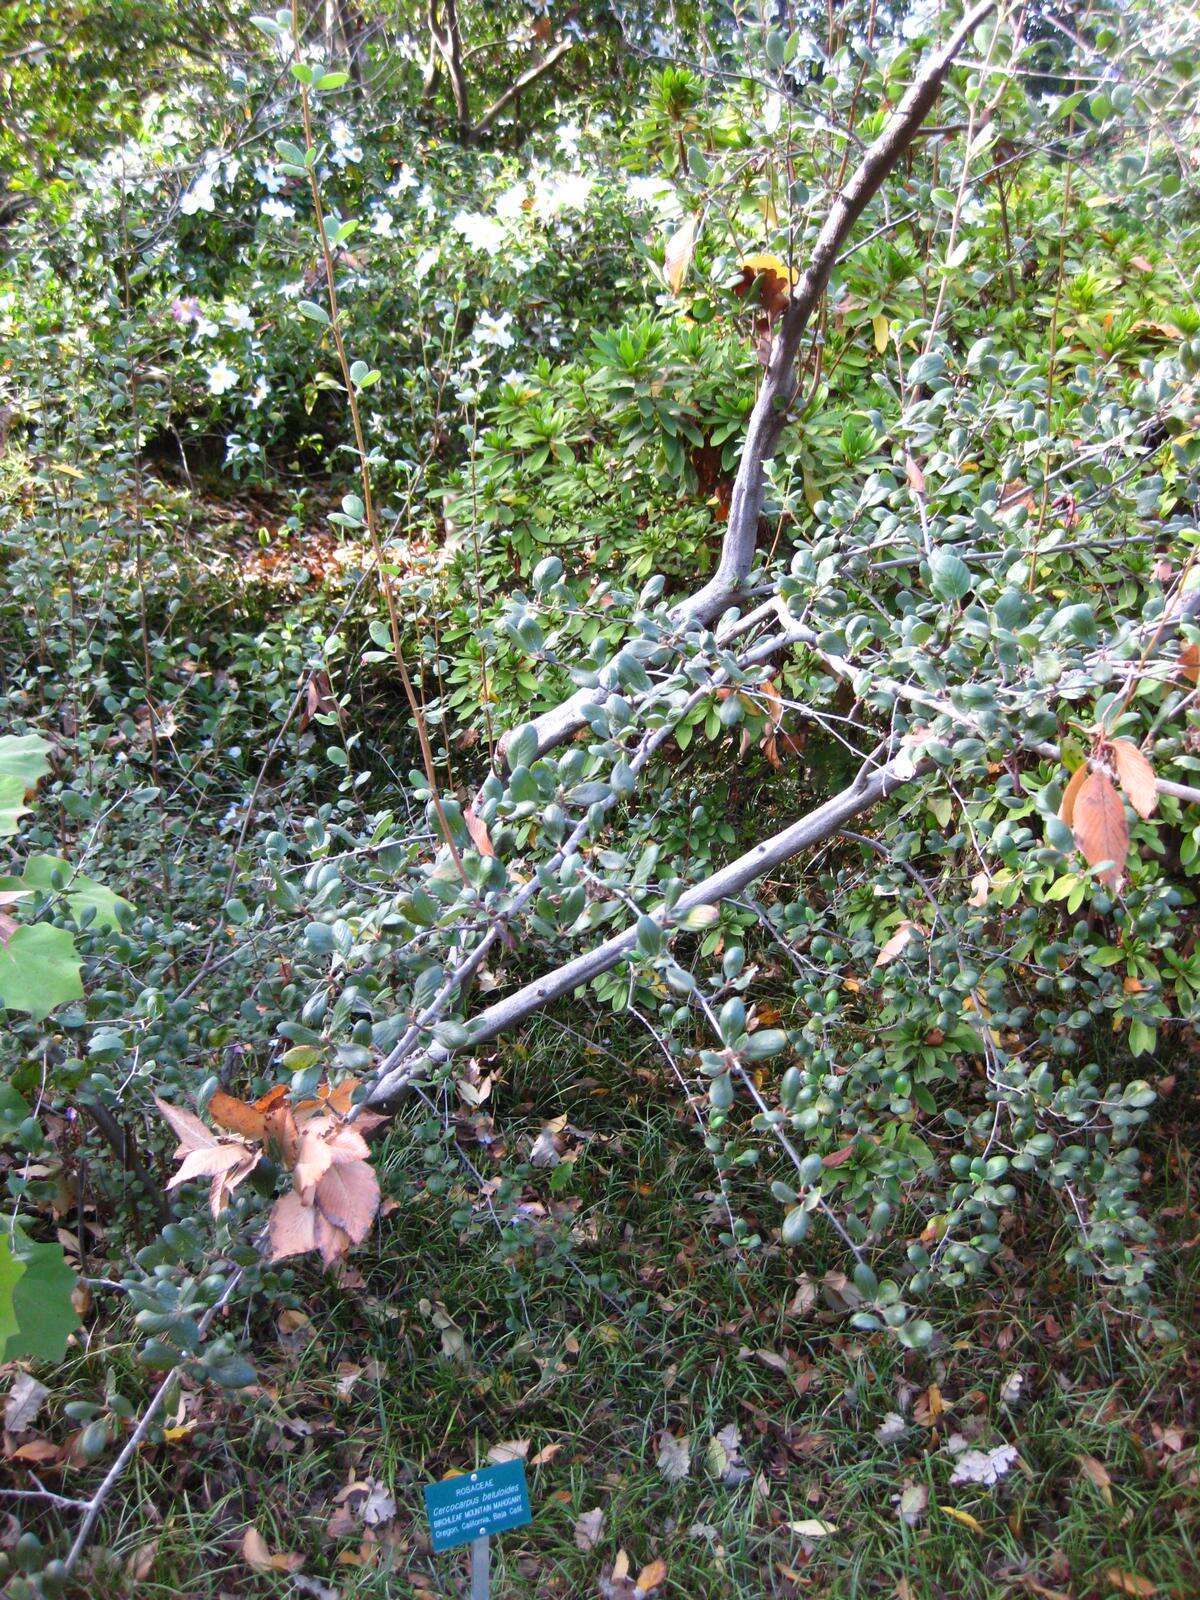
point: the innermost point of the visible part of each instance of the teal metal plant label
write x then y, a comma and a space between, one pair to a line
491, 1500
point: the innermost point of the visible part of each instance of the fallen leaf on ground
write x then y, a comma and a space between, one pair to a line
813, 1528
1130, 1583
651, 1575
1097, 1472
508, 1450
674, 1457
912, 1503
257, 1556
23, 1403
141, 1563
964, 1517
892, 1427
587, 1529
986, 1467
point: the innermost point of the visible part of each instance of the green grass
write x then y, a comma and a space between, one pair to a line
624, 1317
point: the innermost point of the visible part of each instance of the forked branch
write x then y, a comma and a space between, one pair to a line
769, 416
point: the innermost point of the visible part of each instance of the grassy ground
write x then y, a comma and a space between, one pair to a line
614, 1322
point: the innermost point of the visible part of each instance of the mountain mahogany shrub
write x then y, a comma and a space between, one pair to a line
979, 517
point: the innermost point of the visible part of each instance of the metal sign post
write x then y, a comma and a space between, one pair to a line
481, 1563
468, 1507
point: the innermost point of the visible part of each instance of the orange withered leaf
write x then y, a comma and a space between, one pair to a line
238, 1116
1066, 810
1136, 776
1100, 828
774, 278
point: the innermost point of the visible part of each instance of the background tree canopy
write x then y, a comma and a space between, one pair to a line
600, 660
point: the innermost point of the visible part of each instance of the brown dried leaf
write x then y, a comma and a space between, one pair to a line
651, 1575
313, 1161
587, 1529
477, 828
141, 1563
678, 255
1098, 1473
224, 1183
332, 1242
23, 1403
1078, 778
1100, 828
257, 1556
916, 478
211, 1161
292, 1228
1130, 1583
238, 1116
348, 1197
190, 1131
774, 277
281, 1131
1189, 663
1136, 776
896, 943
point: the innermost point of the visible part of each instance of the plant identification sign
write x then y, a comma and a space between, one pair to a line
477, 1504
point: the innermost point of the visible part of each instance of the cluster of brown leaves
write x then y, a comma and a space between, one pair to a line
334, 1194
1094, 811
773, 280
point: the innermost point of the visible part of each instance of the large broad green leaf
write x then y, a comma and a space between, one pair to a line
41, 1315
23, 756
12, 805
45, 1313
14, 1108
11, 1272
22, 762
45, 872
39, 969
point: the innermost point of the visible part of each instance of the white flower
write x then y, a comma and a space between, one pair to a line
238, 317
206, 328
271, 178
383, 223
654, 192
480, 232
511, 203
199, 197
406, 178
277, 210
426, 261
221, 376
344, 146
259, 394
567, 139
494, 330
566, 191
